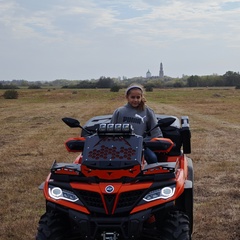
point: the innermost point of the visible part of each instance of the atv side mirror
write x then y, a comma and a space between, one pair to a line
166, 122
74, 123
71, 122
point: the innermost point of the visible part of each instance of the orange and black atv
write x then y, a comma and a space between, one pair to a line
109, 192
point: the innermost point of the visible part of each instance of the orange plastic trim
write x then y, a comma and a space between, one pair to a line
167, 140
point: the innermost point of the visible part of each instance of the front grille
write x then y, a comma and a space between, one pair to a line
90, 199
126, 201
109, 200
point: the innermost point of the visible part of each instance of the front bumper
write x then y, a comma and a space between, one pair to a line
110, 227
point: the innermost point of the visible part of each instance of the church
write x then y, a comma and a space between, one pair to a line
161, 73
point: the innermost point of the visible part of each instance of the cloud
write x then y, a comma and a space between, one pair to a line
80, 19
61, 35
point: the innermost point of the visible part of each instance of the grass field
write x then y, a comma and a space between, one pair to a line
32, 137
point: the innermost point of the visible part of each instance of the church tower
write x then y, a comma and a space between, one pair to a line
148, 74
161, 74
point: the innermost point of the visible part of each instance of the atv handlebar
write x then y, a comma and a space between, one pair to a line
77, 144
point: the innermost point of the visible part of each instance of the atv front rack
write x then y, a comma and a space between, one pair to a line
68, 169
164, 167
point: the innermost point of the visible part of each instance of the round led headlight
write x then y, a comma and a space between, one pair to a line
162, 193
58, 193
167, 192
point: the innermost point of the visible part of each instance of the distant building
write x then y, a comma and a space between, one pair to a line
148, 74
161, 73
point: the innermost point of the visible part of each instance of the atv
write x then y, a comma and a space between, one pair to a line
110, 193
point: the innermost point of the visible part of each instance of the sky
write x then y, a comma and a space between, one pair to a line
45, 40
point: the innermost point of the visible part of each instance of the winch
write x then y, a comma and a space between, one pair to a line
110, 235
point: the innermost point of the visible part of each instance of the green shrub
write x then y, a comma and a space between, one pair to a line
34, 87
149, 88
115, 88
10, 94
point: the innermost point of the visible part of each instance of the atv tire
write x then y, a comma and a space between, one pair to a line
51, 227
175, 226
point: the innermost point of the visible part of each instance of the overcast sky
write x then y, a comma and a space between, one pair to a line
86, 39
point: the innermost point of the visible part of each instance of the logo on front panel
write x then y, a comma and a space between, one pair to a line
109, 189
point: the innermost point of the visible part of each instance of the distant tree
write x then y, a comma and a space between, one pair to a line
158, 83
212, 81
178, 84
86, 84
8, 86
231, 78
34, 87
219, 81
193, 81
104, 82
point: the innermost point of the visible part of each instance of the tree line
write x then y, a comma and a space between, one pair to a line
229, 79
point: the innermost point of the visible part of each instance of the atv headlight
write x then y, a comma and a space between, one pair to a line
163, 193
58, 193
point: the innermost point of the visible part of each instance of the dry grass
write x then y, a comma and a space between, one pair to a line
32, 137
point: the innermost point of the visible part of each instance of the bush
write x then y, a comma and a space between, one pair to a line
149, 88
237, 87
178, 84
115, 88
34, 87
10, 94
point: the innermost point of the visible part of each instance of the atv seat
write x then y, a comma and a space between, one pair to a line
174, 134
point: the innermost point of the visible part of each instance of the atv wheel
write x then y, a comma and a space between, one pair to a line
175, 227
51, 227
